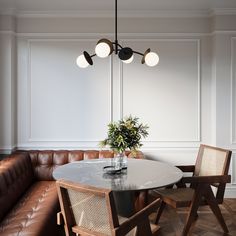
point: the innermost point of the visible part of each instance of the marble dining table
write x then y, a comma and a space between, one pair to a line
140, 175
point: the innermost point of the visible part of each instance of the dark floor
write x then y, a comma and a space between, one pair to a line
206, 225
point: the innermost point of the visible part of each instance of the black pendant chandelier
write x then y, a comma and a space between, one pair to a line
105, 47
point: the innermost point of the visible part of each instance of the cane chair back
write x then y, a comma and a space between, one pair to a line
213, 161
88, 210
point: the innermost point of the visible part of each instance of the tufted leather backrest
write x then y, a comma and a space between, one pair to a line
45, 161
16, 175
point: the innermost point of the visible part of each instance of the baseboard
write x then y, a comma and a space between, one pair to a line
230, 192
7, 150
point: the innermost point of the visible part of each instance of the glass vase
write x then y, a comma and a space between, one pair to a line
120, 160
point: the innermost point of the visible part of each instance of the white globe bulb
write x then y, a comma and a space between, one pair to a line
129, 60
151, 59
102, 50
81, 61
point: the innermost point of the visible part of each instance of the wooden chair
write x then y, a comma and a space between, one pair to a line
210, 170
88, 210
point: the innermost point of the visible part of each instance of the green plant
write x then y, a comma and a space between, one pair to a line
125, 134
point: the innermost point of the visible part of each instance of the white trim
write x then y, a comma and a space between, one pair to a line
8, 32
8, 12
232, 168
199, 90
168, 146
46, 140
59, 145
222, 11
62, 36
122, 13
233, 93
111, 90
230, 192
121, 35
7, 149
124, 35
121, 92
75, 144
198, 138
29, 90
55, 146
215, 32
110, 13
174, 147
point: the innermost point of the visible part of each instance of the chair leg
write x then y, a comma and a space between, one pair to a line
210, 198
193, 210
160, 211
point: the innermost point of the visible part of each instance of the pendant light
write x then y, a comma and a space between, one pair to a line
105, 47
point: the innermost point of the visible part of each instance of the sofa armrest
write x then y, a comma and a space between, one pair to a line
16, 175
60, 218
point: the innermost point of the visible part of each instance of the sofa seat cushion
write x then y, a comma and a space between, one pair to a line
33, 212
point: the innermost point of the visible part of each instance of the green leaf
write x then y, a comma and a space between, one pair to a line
125, 134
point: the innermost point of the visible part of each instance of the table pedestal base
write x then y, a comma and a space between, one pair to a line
124, 201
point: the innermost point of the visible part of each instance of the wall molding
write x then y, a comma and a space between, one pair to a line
124, 35
8, 32
233, 92
157, 142
233, 165
149, 145
222, 11
122, 13
7, 149
30, 139
58, 145
121, 35
230, 191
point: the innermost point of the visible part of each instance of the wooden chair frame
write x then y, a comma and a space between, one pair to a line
202, 193
139, 219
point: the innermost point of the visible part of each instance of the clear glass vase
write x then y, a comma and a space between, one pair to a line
120, 160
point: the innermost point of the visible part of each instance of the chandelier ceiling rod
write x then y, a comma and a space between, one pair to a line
116, 38
105, 48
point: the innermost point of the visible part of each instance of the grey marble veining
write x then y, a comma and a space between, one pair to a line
140, 174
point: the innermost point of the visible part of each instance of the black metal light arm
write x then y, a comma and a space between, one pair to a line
124, 53
139, 53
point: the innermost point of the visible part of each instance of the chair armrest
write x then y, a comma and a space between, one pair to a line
189, 168
207, 179
138, 217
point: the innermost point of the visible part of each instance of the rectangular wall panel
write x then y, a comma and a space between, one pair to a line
65, 103
166, 97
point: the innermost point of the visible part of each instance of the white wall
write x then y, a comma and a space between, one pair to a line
188, 99
7, 84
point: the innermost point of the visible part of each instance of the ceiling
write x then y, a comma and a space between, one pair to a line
108, 5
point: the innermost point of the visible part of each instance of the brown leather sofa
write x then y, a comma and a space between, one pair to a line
28, 196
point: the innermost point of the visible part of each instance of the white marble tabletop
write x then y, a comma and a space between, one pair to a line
141, 174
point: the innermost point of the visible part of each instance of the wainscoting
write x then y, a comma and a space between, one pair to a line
188, 99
